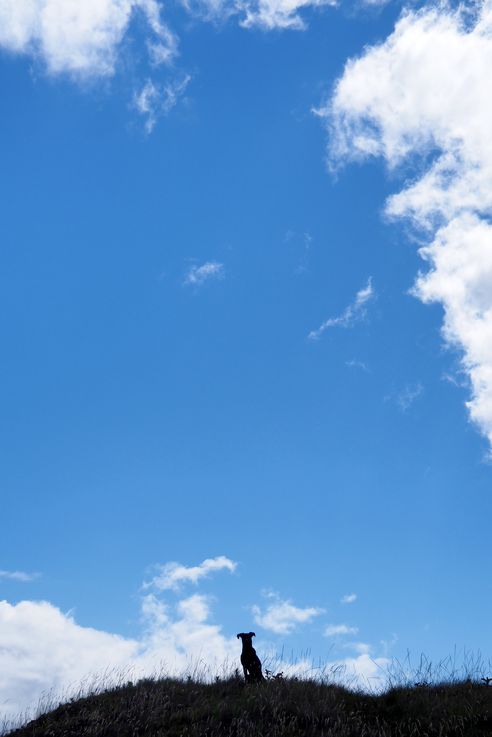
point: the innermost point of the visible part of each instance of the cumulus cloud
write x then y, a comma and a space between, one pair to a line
173, 575
182, 636
19, 576
333, 630
355, 311
42, 648
198, 275
423, 95
79, 38
348, 599
281, 616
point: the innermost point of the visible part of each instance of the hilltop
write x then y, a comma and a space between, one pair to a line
275, 708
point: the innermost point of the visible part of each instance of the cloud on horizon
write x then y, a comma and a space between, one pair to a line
44, 650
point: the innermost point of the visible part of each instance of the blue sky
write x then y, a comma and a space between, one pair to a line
217, 350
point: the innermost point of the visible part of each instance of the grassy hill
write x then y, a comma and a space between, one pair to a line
275, 708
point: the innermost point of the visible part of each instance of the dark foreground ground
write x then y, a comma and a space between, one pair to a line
276, 708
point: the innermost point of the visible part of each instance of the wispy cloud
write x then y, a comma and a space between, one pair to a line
197, 275
272, 14
19, 576
334, 630
172, 575
355, 312
281, 616
301, 243
154, 101
363, 648
388, 645
265, 14
357, 365
348, 599
405, 397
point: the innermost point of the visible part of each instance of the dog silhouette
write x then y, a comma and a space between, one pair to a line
249, 659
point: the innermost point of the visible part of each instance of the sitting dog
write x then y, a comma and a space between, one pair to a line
249, 659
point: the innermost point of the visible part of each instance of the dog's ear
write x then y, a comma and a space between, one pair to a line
253, 634
238, 636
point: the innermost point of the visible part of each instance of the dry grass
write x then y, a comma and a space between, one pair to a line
282, 707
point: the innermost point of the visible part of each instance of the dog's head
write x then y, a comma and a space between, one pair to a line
246, 637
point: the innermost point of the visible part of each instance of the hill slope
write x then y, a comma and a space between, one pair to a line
277, 708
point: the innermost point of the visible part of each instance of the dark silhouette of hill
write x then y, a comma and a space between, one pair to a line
273, 708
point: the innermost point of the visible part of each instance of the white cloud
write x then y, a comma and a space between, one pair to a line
79, 38
281, 616
348, 599
375, 3
300, 244
172, 575
182, 636
407, 396
333, 630
279, 14
197, 275
357, 365
84, 39
404, 398
353, 313
363, 669
265, 14
360, 647
154, 101
388, 645
19, 576
42, 648
424, 92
